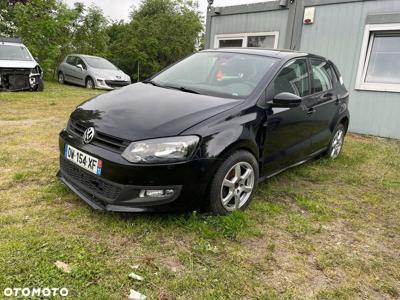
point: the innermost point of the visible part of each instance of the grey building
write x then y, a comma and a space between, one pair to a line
361, 36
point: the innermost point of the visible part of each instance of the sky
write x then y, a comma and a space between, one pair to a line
119, 9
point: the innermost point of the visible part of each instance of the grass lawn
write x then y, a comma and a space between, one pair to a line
324, 230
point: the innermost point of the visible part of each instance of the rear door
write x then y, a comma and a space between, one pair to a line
69, 69
288, 130
325, 102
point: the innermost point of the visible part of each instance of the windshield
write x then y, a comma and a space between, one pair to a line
221, 74
14, 52
100, 63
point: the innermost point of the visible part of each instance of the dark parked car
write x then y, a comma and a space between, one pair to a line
205, 131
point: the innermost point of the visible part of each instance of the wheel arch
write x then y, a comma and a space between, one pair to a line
345, 121
238, 146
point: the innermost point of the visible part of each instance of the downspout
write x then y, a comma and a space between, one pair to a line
208, 24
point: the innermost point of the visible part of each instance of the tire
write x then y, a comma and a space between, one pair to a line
61, 78
336, 144
89, 83
39, 87
227, 192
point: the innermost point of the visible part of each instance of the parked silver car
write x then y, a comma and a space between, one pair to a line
91, 72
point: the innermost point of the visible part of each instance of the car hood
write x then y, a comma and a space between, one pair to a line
143, 111
110, 74
18, 64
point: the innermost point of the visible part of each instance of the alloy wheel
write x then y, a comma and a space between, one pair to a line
237, 186
60, 78
89, 84
337, 144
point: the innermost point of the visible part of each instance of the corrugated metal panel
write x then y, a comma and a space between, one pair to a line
254, 22
337, 33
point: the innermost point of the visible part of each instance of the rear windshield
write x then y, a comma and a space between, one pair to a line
223, 74
14, 52
100, 63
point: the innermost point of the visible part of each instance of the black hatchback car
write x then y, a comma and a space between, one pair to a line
205, 131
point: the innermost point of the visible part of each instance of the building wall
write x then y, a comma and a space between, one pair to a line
337, 34
255, 22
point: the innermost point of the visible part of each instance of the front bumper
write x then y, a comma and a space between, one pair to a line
19, 79
110, 84
121, 182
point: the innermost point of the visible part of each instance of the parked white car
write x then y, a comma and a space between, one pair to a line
91, 72
19, 71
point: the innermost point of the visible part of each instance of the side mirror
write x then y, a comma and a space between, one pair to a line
286, 100
79, 67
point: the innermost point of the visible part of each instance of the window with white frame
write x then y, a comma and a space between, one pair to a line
379, 66
259, 40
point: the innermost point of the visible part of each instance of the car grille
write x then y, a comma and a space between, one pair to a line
116, 83
100, 139
98, 186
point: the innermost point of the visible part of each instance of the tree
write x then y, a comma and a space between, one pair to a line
46, 27
52, 30
159, 33
91, 36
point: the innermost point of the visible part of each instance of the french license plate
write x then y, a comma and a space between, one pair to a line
83, 160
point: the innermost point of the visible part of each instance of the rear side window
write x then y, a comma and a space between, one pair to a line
293, 78
322, 76
71, 60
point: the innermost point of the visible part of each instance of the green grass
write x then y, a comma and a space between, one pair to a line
324, 230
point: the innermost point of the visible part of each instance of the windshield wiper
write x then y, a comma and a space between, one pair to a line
181, 88
152, 82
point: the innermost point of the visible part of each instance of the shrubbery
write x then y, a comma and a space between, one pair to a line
158, 33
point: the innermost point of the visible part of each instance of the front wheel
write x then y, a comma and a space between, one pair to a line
89, 83
234, 184
336, 144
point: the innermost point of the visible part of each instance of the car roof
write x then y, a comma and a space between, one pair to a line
12, 44
277, 53
84, 55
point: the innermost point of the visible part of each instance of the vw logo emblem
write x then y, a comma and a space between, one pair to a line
88, 135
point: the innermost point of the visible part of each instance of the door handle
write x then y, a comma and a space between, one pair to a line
311, 111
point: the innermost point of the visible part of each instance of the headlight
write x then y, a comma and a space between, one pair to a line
172, 149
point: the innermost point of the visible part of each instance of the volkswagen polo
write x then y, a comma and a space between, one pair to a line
205, 131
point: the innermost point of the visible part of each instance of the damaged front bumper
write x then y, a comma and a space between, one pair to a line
20, 79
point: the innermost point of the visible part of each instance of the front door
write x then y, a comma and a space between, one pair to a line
77, 72
288, 130
69, 69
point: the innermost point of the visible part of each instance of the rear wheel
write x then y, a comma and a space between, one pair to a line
89, 83
61, 79
336, 144
234, 183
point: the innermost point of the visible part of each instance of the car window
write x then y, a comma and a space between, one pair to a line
79, 61
293, 78
71, 60
322, 76
99, 63
223, 74
14, 52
